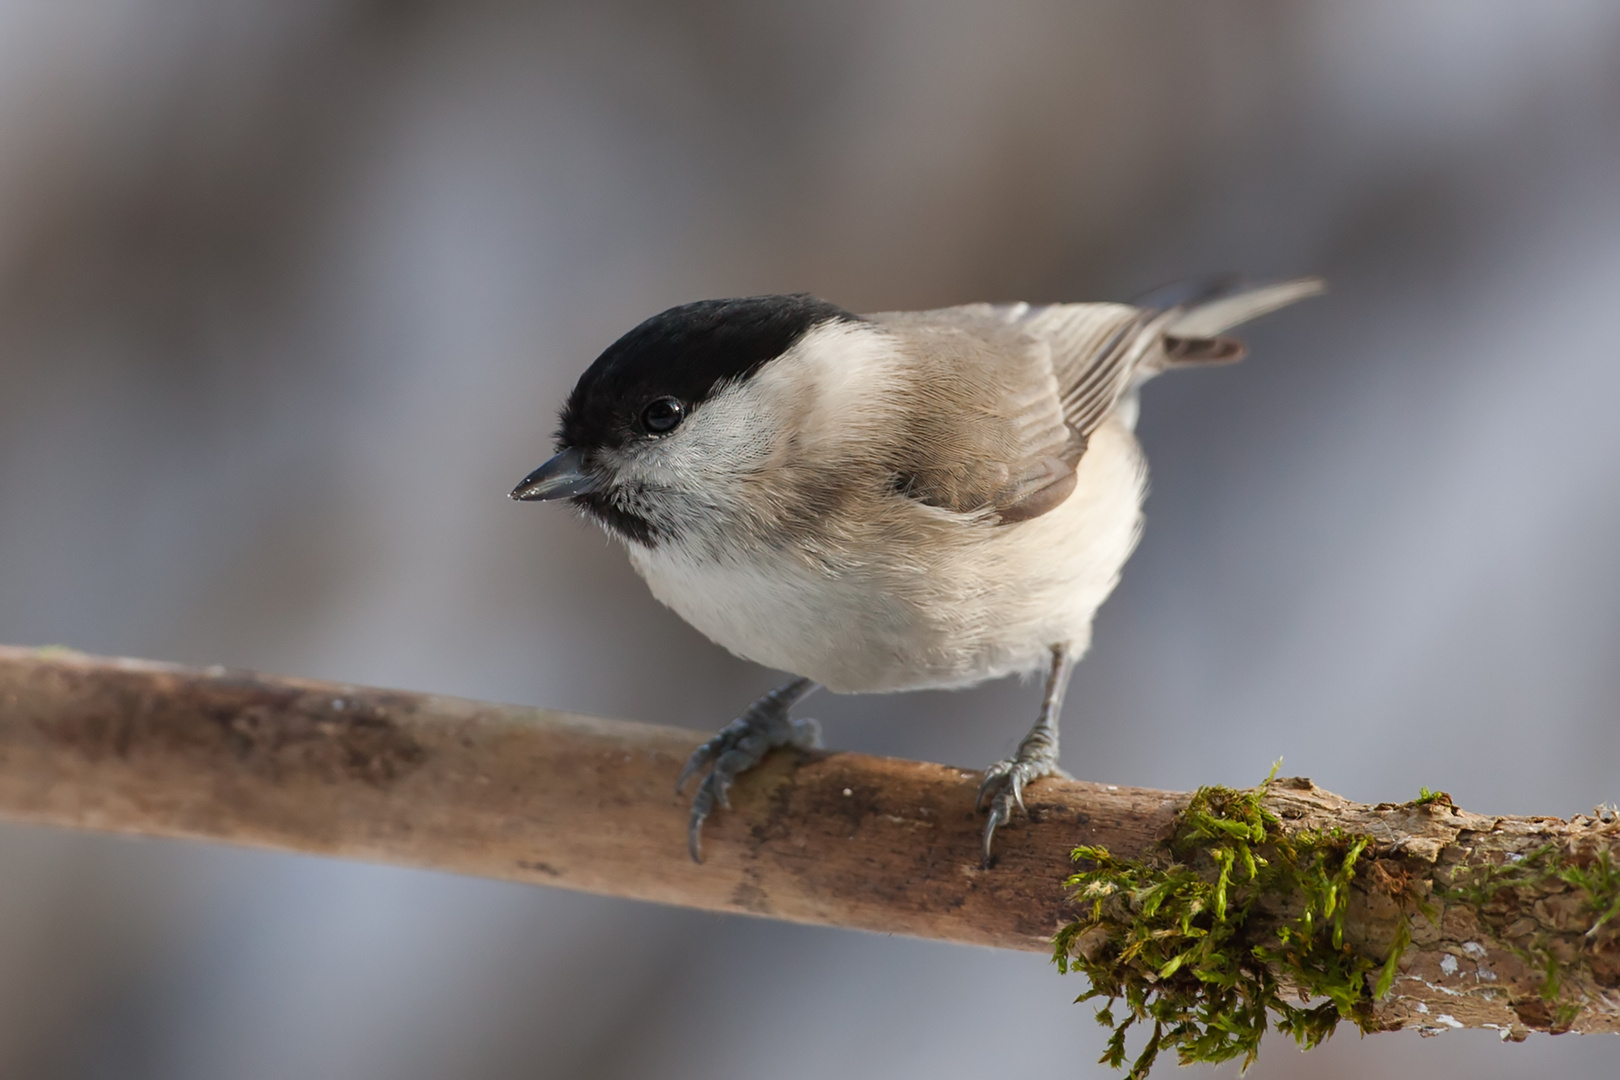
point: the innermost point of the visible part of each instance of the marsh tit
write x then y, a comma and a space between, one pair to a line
900, 501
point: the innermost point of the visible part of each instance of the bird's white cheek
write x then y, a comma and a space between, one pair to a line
728, 436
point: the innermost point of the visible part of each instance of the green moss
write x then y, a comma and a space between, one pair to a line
1598, 882
1192, 940
1502, 892
1427, 797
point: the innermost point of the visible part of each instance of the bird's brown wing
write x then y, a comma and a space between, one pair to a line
1008, 394
1097, 351
1101, 351
986, 430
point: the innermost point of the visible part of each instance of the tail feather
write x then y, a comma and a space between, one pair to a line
1209, 316
1188, 292
1199, 351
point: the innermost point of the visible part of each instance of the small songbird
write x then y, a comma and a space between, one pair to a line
900, 501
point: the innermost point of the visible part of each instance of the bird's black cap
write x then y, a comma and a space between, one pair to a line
684, 353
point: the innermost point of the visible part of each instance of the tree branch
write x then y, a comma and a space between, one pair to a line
1512, 920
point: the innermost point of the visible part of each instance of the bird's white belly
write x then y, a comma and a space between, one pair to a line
784, 614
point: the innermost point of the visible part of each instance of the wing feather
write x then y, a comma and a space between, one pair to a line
1008, 394
988, 433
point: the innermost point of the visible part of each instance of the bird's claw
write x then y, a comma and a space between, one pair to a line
1003, 786
696, 762
735, 749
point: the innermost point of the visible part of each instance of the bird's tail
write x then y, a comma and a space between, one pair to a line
1196, 315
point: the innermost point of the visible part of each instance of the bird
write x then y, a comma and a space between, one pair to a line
896, 501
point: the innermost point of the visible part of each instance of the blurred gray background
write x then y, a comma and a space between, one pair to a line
290, 291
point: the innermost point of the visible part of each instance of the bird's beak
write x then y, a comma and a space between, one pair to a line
561, 477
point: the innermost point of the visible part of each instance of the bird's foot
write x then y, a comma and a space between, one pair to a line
738, 747
1003, 786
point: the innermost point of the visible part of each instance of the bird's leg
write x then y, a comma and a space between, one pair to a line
741, 745
1003, 783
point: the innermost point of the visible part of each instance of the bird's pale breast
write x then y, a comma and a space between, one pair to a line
987, 600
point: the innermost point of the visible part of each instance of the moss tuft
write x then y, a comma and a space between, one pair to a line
1428, 798
1192, 940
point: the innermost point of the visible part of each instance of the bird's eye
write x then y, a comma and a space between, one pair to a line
662, 415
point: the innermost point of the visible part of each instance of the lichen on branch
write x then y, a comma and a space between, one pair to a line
1554, 909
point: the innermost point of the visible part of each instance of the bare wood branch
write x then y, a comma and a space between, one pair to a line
820, 837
